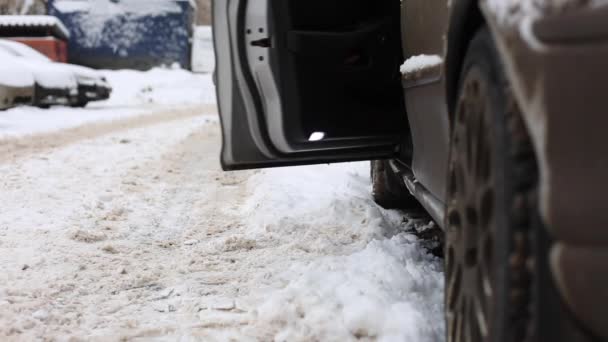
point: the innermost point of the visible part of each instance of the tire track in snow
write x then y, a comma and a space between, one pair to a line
12, 149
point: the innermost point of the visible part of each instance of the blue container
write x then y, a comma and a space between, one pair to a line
135, 34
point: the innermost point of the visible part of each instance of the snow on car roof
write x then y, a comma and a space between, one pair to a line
34, 21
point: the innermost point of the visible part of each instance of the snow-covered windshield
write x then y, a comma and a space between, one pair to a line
22, 50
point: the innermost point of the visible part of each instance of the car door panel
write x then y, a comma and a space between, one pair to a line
425, 98
282, 78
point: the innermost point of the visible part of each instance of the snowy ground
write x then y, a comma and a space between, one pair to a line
118, 224
134, 93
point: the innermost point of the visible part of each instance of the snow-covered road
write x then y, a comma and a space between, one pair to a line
128, 230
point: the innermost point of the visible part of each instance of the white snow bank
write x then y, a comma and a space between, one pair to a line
203, 58
420, 62
336, 197
159, 86
390, 291
354, 272
22, 121
134, 93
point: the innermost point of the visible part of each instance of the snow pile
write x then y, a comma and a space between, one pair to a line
203, 58
418, 63
159, 86
358, 274
390, 291
134, 93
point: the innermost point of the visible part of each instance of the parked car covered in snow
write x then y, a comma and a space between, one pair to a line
52, 85
82, 84
16, 83
496, 125
92, 86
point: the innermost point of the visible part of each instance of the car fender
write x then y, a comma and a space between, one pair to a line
555, 58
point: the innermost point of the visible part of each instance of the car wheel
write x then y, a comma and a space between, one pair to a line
491, 207
388, 190
79, 104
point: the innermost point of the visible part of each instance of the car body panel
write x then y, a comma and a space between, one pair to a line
424, 93
555, 60
58, 82
565, 113
44, 72
16, 83
12, 95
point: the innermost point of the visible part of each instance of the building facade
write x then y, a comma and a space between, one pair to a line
203, 15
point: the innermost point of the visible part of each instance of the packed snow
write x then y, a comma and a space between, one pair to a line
158, 243
134, 93
203, 59
420, 62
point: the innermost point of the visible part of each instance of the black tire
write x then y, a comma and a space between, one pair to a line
491, 213
79, 104
388, 190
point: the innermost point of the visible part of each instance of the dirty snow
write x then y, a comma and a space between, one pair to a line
134, 93
420, 62
139, 234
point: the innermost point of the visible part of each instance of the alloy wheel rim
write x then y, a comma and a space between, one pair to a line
470, 218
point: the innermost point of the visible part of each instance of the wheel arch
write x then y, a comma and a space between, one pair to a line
465, 19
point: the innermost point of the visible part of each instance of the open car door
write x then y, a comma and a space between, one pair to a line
305, 82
